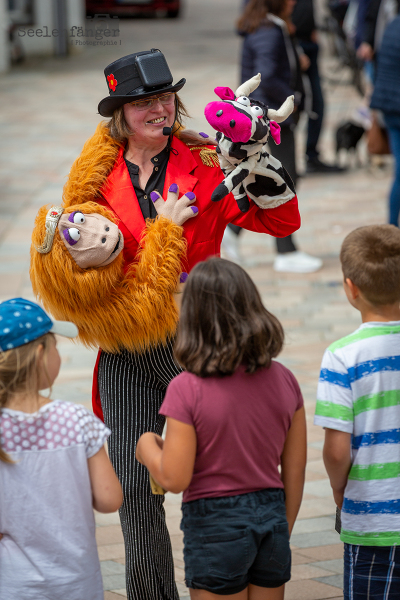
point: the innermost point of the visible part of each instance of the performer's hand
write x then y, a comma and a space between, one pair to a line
177, 209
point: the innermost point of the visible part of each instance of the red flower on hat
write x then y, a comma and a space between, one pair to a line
112, 82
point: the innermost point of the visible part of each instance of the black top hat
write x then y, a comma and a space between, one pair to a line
137, 76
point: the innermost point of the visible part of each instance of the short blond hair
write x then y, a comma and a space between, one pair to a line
119, 129
370, 258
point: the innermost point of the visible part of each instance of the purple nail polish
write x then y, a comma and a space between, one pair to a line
173, 188
190, 195
154, 196
194, 209
183, 277
204, 135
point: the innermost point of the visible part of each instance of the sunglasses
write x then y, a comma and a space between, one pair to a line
150, 102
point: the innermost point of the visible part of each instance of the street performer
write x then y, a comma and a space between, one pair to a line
131, 163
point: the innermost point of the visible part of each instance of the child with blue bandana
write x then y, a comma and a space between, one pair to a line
54, 468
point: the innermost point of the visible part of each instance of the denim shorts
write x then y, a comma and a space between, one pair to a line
371, 572
232, 541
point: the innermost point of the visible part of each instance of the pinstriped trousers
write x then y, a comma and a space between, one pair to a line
132, 387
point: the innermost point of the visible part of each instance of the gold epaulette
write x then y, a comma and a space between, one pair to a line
208, 157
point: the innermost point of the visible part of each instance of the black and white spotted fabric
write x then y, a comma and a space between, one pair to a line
243, 127
266, 181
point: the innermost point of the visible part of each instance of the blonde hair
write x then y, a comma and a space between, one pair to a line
119, 129
19, 374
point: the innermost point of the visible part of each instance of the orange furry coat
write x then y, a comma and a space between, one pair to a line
111, 309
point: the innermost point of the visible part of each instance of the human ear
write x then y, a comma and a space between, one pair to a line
39, 355
353, 290
44, 381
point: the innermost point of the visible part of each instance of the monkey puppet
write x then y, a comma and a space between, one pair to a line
77, 273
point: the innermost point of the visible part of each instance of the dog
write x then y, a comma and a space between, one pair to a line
348, 135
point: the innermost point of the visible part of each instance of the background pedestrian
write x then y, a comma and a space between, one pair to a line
386, 97
268, 48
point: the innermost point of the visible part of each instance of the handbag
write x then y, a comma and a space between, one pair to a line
377, 138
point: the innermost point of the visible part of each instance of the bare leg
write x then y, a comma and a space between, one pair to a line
204, 595
262, 593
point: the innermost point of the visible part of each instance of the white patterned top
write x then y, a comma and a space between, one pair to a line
48, 548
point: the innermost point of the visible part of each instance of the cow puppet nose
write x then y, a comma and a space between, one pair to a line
232, 123
219, 113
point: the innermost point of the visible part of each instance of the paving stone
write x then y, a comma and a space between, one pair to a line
110, 534
335, 580
121, 592
314, 507
104, 519
309, 540
298, 558
114, 582
309, 590
333, 551
312, 307
111, 551
307, 571
313, 525
335, 565
109, 567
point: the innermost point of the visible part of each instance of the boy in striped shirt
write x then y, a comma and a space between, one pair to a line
358, 404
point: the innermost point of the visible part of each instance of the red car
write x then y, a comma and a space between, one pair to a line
127, 8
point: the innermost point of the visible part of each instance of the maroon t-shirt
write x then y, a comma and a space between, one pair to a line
241, 423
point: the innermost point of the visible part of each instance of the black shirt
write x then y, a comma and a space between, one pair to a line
155, 183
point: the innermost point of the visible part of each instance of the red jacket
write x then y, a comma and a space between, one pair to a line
204, 232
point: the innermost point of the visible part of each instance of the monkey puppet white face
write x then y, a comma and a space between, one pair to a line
91, 239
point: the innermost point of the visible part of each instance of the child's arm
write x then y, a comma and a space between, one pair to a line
293, 465
337, 459
169, 462
106, 489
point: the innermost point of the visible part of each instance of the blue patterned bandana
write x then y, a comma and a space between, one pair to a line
22, 322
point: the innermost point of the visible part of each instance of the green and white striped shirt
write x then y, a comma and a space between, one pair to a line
359, 393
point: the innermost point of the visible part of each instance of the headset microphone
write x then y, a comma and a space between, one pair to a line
167, 131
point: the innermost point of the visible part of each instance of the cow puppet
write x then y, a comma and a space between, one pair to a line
243, 126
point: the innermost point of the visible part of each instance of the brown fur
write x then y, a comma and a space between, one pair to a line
110, 309
91, 169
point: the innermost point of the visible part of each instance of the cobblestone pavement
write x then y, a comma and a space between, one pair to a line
49, 110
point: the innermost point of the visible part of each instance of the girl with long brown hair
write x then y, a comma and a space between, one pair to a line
235, 441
